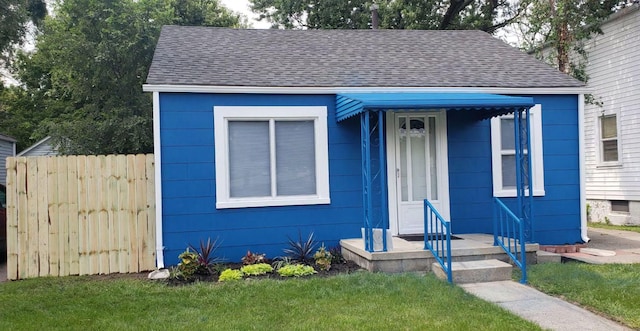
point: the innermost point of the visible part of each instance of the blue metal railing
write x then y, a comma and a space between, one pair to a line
437, 238
508, 233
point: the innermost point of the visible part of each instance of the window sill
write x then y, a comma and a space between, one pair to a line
288, 201
606, 165
514, 194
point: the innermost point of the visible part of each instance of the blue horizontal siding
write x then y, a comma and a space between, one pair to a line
188, 178
557, 214
188, 175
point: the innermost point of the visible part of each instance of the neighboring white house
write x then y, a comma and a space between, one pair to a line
7, 149
612, 130
41, 148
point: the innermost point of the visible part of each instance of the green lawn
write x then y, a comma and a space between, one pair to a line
633, 228
611, 289
360, 301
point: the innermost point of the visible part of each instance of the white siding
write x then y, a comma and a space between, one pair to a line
41, 148
614, 77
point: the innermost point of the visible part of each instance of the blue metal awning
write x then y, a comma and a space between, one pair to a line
351, 104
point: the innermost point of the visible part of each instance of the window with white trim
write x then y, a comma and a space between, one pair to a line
503, 154
609, 147
271, 156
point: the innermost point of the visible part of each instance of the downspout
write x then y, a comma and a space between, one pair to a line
583, 195
158, 180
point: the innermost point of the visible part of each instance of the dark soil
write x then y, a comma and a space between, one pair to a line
336, 269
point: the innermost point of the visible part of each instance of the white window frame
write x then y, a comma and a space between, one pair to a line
223, 114
537, 161
601, 161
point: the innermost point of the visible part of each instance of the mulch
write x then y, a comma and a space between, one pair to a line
336, 269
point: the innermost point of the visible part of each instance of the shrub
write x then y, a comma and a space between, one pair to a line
205, 256
336, 255
280, 262
256, 269
188, 265
323, 258
301, 250
253, 258
230, 275
176, 273
296, 270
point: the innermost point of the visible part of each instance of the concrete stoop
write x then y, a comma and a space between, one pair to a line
480, 271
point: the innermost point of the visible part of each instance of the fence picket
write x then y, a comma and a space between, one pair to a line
73, 216
123, 213
63, 215
151, 212
83, 221
23, 218
103, 216
12, 220
49, 187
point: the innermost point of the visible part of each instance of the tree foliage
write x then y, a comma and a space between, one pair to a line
15, 16
83, 83
558, 29
486, 15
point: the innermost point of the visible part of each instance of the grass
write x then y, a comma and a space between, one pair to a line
611, 289
633, 228
360, 301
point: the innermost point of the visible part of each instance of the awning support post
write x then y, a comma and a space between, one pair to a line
367, 202
384, 203
367, 131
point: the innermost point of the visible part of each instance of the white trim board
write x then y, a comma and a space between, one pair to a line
334, 90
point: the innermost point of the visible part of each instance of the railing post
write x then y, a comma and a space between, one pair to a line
441, 232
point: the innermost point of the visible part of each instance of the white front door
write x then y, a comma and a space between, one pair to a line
418, 168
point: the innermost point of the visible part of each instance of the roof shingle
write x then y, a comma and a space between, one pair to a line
345, 58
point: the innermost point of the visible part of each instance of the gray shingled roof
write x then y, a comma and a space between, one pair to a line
344, 58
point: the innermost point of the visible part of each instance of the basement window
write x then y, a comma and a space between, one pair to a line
620, 206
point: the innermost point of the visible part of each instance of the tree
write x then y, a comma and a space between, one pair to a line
14, 22
556, 30
486, 15
87, 71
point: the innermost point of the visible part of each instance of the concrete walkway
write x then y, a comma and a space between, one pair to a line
547, 311
606, 246
609, 246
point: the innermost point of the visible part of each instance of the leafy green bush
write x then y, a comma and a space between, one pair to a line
230, 275
188, 265
296, 270
256, 269
323, 258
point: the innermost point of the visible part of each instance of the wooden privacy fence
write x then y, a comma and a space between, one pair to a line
80, 215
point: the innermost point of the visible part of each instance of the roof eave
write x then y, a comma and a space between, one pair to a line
169, 88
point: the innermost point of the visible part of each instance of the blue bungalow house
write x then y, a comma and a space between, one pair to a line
264, 134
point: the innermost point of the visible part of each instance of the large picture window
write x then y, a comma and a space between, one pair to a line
504, 154
271, 156
609, 139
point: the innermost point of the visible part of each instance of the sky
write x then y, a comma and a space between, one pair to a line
242, 6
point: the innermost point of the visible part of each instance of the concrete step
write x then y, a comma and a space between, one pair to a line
476, 271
